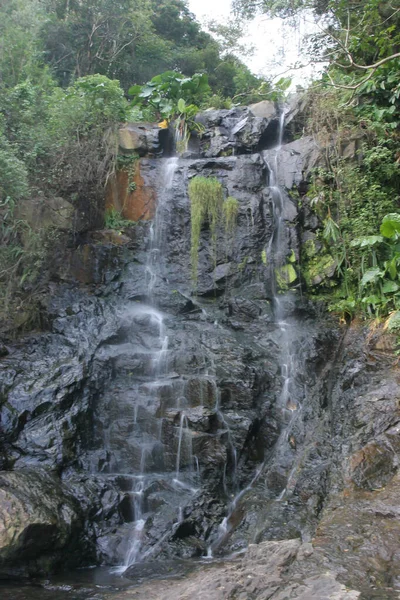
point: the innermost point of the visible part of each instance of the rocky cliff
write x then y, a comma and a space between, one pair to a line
151, 423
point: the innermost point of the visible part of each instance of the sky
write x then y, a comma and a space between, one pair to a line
276, 46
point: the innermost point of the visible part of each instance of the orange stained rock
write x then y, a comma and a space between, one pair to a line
135, 205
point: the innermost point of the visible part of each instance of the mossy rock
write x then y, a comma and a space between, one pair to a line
309, 249
320, 271
285, 276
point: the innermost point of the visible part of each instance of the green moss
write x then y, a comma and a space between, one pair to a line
309, 249
285, 276
319, 271
206, 198
264, 257
230, 209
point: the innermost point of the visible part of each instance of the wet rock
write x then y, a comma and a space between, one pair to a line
133, 195
239, 130
39, 523
269, 571
373, 466
182, 406
140, 138
296, 158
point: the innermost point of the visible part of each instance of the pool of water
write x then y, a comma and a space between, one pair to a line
87, 584
99, 583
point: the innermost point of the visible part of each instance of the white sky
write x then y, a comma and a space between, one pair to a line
276, 46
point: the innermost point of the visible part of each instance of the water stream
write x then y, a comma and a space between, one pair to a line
288, 402
156, 380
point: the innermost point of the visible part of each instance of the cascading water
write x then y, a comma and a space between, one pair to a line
289, 397
146, 431
277, 252
172, 436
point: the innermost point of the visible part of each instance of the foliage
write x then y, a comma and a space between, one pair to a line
128, 163
113, 219
13, 175
379, 286
173, 97
164, 91
55, 142
206, 199
230, 209
352, 195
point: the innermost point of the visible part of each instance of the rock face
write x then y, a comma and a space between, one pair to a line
139, 138
39, 522
177, 424
131, 191
238, 131
52, 212
270, 570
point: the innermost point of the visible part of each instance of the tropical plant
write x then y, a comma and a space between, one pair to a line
379, 285
176, 98
164, 91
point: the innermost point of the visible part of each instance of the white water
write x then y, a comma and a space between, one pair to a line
288, 403
231, 447
159, 359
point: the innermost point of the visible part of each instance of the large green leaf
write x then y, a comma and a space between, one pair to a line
146, 91
374, 300
389, 287
391, 267
134, 90
371, 276
367, 241
390, 225
181, 105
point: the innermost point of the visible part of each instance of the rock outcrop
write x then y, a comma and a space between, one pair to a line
143, 389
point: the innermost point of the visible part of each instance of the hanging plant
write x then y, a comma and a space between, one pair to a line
206, 200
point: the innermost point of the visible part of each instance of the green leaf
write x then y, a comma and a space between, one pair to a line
370, 276
367, 241
146, 92
374, 300
390, 225
391, 267
331, 230
389, 287
181, 105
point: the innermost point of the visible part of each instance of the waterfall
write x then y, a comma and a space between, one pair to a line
158, 369
288, 402
277, 251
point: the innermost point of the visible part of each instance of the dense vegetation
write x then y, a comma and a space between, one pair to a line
71, 71
66, 67
356, 99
